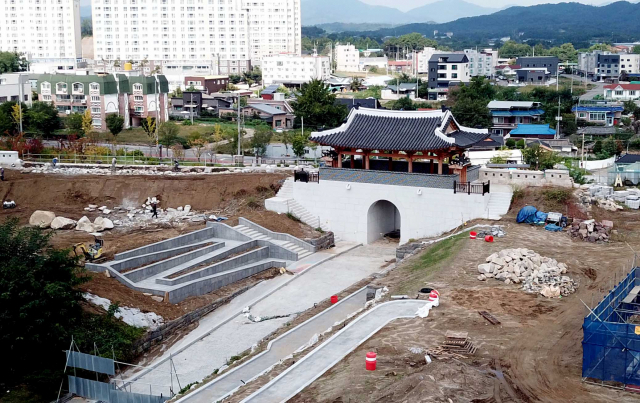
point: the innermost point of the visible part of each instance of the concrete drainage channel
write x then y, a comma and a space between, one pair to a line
202, 261
278, 349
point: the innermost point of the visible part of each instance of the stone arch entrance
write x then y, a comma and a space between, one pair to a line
383, 217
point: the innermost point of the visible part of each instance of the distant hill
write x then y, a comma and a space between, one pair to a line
85, 11
563, 22
316, 12
348, 26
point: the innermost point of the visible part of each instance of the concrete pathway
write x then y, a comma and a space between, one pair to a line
277, 349
226, 332
313, 365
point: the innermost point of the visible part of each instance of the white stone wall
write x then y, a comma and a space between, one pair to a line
423, 212
525, 178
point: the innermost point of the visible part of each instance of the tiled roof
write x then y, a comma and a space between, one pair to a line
266, 109
532, 129
450, 57
375, 129
531, 112
270, 89
628, 159
597, 109
631, 87
511, 104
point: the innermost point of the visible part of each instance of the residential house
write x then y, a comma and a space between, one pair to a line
271, 92
196, 104
367, 63
400, 91
550, 63
563, 147
207, 84
590, 132
507, 115
482, 62
277, 118
508, 71
446, 70
533, 75
532, 131
133, 97
401, 66
622, 92
347, 58
491, 143
15, 87
601, 114
356, 103
291, 69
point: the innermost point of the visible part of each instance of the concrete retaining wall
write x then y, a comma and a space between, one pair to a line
524, 178
221, 267
136, 261
326, 241
224, 231
208, 284
182, 240
278, 236
157, 268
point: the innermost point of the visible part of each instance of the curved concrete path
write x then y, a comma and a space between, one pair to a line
277, 349
313, 365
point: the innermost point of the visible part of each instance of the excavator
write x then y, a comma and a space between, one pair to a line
92, 252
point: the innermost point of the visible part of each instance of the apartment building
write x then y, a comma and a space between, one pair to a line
421, 59
15, 86
447, 70
539, 62
41, 29
630, 63
482, 62
229, 34
291, 69
133, 97
347, 58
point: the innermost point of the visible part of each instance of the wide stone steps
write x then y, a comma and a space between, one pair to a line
297, 210
302, 253
498, 205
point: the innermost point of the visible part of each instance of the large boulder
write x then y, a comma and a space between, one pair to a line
102, 223
41, 218
63, 223
84, 224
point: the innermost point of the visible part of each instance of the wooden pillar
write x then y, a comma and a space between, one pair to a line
440, 159
431, 163
366, 160
351, 162
410, 162
463, 174
339, 159
391, 163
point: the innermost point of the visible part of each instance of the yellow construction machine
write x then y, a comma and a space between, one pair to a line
92, 252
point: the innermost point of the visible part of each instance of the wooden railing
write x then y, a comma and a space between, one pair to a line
306, 176
469, 188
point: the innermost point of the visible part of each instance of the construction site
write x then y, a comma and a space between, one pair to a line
243, 304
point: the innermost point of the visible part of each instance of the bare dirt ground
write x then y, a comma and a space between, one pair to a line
231, 195
537, 346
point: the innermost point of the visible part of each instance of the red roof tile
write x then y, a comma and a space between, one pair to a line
624, 86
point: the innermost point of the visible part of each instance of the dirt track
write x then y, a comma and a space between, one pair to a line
538, 344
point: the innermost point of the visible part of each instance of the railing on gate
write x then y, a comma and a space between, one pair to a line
469, 187
306, 176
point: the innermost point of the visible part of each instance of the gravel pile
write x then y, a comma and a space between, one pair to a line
536, 273
591, 231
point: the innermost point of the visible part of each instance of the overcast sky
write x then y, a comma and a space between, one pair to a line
405, 5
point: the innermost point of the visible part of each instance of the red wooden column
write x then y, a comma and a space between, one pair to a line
339, 157
440, 159
366, 160
410, 162
463, 174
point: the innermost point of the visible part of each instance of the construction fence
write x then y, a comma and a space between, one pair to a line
611, 342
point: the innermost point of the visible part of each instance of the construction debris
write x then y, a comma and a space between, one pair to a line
591, 231
456, 345
496, 231
537, 273
607, 198
489, 317
41, 218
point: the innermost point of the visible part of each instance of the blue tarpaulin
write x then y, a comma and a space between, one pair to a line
553, 227
531, 215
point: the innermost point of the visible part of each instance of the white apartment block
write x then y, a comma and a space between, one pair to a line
422, 59
41, 29
294, 69
231, 35
15, 86
482, 62
630, 63
347, 58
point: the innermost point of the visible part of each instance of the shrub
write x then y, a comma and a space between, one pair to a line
560, 196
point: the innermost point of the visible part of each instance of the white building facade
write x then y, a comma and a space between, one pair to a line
347, 58
14, 87
294, 69
422, 59
482, 62
41, 29
229, 35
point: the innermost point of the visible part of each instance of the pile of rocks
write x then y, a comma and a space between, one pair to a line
591, 231
48, 219
536, 273
607, 198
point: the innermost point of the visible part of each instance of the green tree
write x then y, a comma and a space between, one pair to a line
470, 102
73, 123
39, 303
317, 106
11, 62
611, 147
87, 122
168, 134
374, 91
539, 158
403, 104
115, 123
198, 143
149, 126
261, 139
521, 144
514, 49
636, 49
355, 84
43, 118
600, 46
298, 143
597, 147
510, 143
412, 41
86, 27
565, 53
7, 124
629, 107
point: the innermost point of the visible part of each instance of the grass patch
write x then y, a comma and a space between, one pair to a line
294, 218
429, 262
518, 193
557, 195
253, 203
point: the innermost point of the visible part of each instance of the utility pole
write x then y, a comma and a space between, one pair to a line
21, 98
191, 109
558, 119
239, 131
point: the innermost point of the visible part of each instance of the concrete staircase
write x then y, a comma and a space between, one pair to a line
296, 209
302, 253
499, 203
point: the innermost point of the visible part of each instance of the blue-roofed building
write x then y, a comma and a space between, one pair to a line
605, 114
507, 115
531, 131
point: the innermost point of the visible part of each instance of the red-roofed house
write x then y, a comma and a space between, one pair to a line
400, 66
507, 70
622, 92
